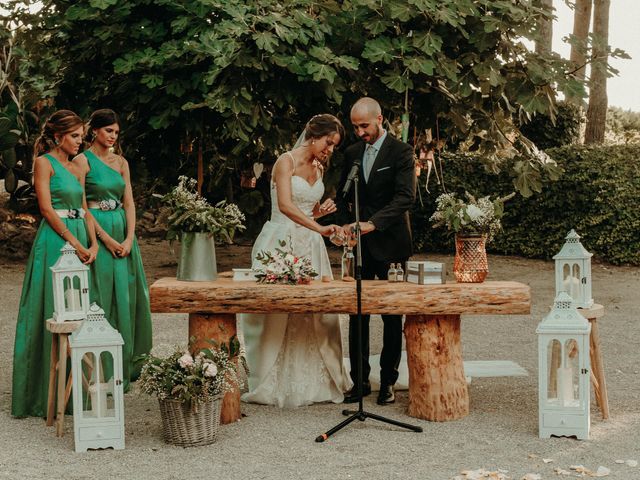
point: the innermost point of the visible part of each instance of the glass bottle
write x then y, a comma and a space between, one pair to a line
391, 274
399, 273
348, 264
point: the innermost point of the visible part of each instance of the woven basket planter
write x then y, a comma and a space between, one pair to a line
188, 427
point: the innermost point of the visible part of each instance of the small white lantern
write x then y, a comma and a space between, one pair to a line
573, 271
98, 403
563, 375
70, 286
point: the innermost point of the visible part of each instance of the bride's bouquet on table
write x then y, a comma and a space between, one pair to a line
282, 266
190, 388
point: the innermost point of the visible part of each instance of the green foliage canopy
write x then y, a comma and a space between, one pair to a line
244, 75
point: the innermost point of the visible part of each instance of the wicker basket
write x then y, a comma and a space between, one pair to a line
190, 428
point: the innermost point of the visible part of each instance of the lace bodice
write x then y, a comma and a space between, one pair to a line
304, 196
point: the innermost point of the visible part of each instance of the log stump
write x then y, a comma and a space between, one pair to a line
437, 385
218, 327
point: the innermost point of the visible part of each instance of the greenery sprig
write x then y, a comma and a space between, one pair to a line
472, 217
188, 211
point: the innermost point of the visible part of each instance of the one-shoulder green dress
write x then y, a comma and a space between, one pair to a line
32, 348
121, 283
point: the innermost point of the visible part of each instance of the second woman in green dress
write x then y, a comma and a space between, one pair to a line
119, 274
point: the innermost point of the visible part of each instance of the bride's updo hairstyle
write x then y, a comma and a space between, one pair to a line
100, 119
321, 125
59, 123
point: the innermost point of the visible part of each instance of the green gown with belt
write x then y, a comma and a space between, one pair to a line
121, 282
32, 348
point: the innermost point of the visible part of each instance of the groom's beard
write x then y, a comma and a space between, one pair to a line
372, 138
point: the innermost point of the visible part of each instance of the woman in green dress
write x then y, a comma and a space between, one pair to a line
59, 185
118, 271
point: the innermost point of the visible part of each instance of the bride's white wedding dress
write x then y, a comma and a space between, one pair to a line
294, 359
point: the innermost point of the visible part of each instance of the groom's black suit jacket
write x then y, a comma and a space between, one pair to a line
385, 199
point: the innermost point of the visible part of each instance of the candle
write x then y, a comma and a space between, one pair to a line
72, 299
565, 385
98, 392
571, 285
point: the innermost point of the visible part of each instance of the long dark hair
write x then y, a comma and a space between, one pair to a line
103, 118
59, 123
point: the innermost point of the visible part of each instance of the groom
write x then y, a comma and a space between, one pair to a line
386, 190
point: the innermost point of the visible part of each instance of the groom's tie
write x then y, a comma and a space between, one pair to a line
367, 162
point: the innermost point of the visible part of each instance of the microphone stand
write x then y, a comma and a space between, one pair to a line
360, 414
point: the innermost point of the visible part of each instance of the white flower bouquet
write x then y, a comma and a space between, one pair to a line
188, 211
471, 217
282, 266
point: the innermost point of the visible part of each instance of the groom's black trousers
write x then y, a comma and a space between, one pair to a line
392, 332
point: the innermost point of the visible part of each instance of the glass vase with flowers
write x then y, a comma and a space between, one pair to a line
474, 223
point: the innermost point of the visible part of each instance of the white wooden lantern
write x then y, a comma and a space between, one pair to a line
98, 403
70, 286
573, 271
563, 375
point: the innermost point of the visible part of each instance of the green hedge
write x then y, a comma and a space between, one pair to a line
597, 196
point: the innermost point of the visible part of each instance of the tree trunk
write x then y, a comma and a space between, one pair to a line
581, 23
597, 111
545, 27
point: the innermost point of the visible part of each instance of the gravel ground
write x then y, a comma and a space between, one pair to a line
501, 431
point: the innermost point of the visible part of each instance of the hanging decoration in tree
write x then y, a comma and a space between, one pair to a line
258, 168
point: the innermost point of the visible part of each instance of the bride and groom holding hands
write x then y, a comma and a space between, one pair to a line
296, 359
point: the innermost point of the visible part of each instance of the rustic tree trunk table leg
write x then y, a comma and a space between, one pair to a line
218, 327
600, 386
437, 385
62, 382
53, 369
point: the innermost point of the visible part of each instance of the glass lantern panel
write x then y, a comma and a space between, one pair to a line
72, 301
77, 288
571, 280
554, 360
570, 394
66, 288
106, 361
578, 282
98, 386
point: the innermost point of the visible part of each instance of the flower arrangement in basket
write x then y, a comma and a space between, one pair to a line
282, 266
190, 390
471, 217
474, 221
188, 211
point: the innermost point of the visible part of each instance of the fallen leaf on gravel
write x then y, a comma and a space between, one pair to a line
547, 460
482, 474
560, 471
580, 469
632, 463
532, 476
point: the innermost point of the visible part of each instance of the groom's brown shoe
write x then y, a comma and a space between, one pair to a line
386, 395
352, 395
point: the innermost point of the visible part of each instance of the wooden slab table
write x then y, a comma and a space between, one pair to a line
437, 386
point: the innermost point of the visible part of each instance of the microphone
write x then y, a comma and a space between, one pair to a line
352, 175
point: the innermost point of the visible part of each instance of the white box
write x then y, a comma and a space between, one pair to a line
244, 275
423, 272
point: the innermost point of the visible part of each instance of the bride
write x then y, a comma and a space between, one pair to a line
296, 359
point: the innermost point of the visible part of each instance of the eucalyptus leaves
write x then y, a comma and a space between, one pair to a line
470, 217
188, 211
